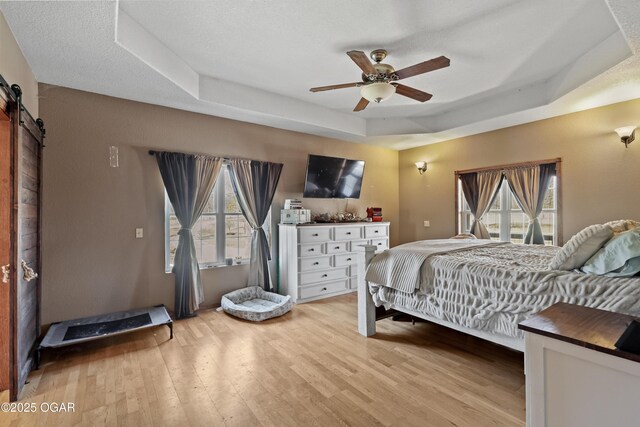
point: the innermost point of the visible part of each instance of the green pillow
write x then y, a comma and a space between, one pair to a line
620, 257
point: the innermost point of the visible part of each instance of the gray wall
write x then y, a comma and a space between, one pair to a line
92, 262
600, 177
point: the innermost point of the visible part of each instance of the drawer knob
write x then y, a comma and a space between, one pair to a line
323, 289
348, 233
348, 259
316, 234
316, 263
324, 275
379, 244
311, 250
376, 231
337, 247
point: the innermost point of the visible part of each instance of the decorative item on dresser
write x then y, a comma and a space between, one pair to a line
374, 214
319, 260
294, 213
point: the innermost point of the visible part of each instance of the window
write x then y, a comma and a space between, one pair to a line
505, 220
221, 232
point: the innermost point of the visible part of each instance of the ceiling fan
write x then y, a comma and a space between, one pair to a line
379, 81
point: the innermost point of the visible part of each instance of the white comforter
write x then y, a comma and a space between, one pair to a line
494, 288
399, 267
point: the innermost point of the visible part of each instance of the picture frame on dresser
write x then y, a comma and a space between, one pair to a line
319, 260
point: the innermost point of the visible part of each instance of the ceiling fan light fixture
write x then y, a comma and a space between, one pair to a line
379, 81
377, 92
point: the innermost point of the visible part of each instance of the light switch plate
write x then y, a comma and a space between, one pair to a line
139, 233
427, 224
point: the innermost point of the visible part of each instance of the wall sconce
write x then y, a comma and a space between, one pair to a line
627, 134
422, 167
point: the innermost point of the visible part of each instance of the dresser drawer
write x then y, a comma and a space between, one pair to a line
380, 244
311, 250
324, 275
324, 288
344, 260
314, 234
310, 264
347, 233
375, 231
354, 246
337, 247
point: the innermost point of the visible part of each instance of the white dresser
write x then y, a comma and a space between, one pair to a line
319, 260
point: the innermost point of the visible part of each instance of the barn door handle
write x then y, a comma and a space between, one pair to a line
29, 274
5, 273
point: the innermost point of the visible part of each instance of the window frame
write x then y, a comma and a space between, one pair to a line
505, 202
221, 217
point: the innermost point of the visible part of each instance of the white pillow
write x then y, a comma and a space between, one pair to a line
581, 247
622, 225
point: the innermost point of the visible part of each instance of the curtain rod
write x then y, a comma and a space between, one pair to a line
153, 153
510, 166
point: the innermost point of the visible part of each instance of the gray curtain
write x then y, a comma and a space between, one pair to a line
529, 185
188, 180
480, 189
254, 184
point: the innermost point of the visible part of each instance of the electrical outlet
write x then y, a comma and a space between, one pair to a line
139, 233
427, 224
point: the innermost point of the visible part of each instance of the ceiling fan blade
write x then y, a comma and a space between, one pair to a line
412, 93
361, 105
362, 61
331, 87
424, 67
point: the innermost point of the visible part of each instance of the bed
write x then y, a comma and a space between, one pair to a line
481, 287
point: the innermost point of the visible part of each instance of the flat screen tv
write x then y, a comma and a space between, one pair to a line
333, 178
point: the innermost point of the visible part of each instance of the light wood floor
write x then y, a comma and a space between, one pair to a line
309, 367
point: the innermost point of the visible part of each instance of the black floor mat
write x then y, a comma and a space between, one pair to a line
103, 328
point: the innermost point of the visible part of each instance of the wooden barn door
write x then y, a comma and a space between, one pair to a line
28, 226
20, 229
6, 294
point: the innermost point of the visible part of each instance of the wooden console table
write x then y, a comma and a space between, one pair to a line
574, 374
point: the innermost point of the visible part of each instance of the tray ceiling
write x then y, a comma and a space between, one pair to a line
511, 61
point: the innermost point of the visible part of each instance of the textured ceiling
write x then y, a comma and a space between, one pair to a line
511, 61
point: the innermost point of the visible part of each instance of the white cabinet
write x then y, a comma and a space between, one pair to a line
318, 260
575, 377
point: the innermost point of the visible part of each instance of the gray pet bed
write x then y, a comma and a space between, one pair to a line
255, 304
